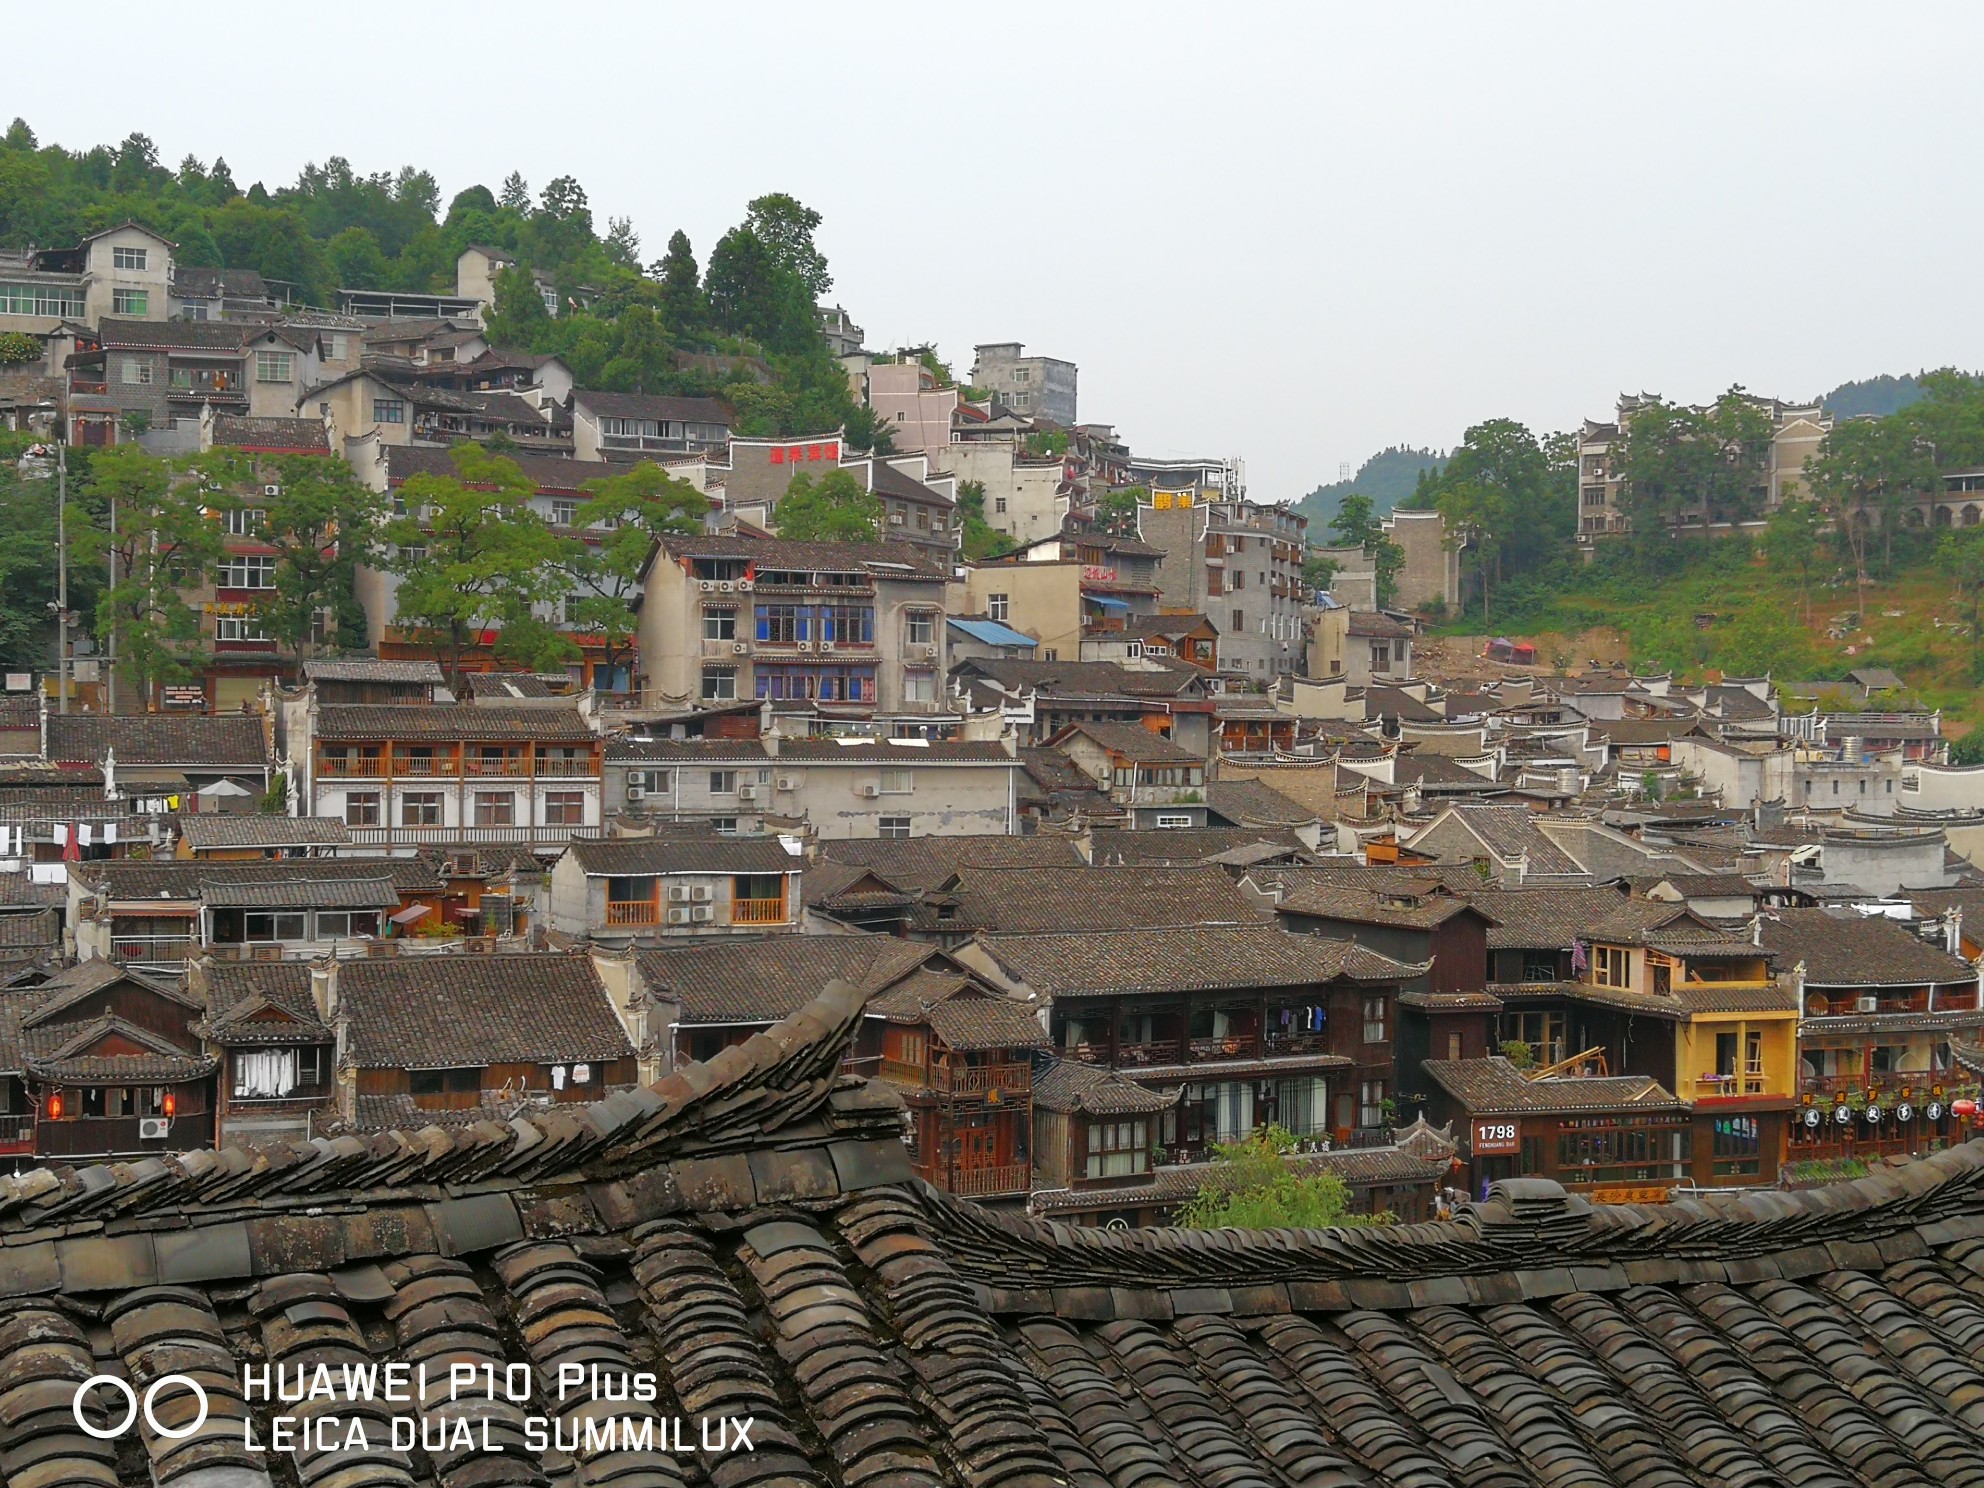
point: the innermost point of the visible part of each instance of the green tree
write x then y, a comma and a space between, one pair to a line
643, 360
1868, 474
981, 539
471, 555
518, 318
516, 192
355, 261
1254, 1185
683, 308
751, 293
1319, 571
1701, 464
834, 508
1116, 511
322, 525
786, 227
1960, 555
1356, 525
627, 512
1793, 539
155, 527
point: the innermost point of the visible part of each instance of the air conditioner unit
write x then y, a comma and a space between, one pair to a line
871, 791
272, 490
678, 917
154, 1128
788, 782
895, 519
636, 792
923, 653
805, 645
709, 586
678, 893
1868, 1004
700, 893
741, 648
745, 586
826, 645
727, 586
747, 793
702, 913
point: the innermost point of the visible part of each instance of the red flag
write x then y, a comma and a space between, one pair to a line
72, 850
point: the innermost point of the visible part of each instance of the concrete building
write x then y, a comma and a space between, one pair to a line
156, 372
907, 401
633, 426
1040, 387
1431, 575
1024, 498
919, 505
844, 629
124, 271
1798, 431
1239, 563
1359, 647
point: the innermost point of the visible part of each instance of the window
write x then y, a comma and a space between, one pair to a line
724, 826
1022, 400
389, 410
420, 809
495, 809
334, 344
648, 782
129, 258
1612, 966
898, 782
137, 372
1381, 656
564, 513
1371, 1103
564, 808
893, 827
1374, 1020
42, 299
264, 926
1022, 374
275, 366
130, 302
719, 624
998, 607
719, 684
1168, 820
272, 1073
1239, 620
920, 628
1237, 580
847, 625
1118, 1149
239, 628
444, 1081
919, 687
784, 624
247, 571
723, 782
193, 312
243, 520
361, 809
343, 924
999, 504
1736, 1147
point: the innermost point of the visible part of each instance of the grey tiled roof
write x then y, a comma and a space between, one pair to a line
225, 829
1853, 950
413, 1012
1495, 1087
765, 980
471, 722
225, 741
368, 669
1109, 963
303, 892
1043, 898
639, 857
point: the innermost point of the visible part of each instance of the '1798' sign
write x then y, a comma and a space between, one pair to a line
1495, 1138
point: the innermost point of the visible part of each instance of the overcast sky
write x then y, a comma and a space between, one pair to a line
1295, 233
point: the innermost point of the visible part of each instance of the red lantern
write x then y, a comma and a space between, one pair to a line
55, 1107
171, 1102
1965, 1107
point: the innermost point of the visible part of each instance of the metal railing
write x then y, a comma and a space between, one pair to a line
1752, 1083
149, 950
465, 836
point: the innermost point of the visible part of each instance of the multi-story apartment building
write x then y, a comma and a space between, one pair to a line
123, 271
908, 403
1040, 387
1025, 498
1237, 562
136, 374
919, 506
686, 883
399, 408
1798, 431
841, 629
638, 426
408, 776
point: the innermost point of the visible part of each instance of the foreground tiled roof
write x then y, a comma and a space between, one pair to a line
762, 981
682, 852
123, 879
1039, 899
748, 1231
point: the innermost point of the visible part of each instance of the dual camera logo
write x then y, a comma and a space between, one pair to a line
133, 1405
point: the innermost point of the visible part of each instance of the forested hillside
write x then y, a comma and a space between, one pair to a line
1388, 478
740, 325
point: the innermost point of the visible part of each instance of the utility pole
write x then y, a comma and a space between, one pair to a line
62, 576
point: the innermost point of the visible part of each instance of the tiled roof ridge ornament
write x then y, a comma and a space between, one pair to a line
780, 1086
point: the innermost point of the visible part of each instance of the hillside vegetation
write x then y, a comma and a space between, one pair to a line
1388, 478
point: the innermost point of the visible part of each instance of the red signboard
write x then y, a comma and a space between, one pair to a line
1495, 1137
1095, 574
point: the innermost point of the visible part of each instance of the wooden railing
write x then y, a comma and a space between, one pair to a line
507, 765
1152, 1051
17, 1131
903, 1072
633, 912
462, 836
1233, 1046
101, 1136
1746, 1084
981, 1079
369, 765
981, 1183
757, 911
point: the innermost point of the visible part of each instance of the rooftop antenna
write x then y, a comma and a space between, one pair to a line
1343, 470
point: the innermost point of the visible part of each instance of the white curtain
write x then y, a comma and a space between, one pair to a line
1233, 1110
265, 1072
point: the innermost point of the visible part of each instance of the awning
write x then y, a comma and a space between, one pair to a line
411, 913
1102, 601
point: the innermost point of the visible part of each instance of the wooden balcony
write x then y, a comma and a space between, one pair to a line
367, 766
461, 836
507, 765
633, 912
154, 950
902, 1072
104, 1136
981, 1079
757, 911
1152, 1051
1751, 1083
987, 1182
417, 766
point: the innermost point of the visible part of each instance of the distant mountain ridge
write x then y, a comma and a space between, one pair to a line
1875, 396
1388, 477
